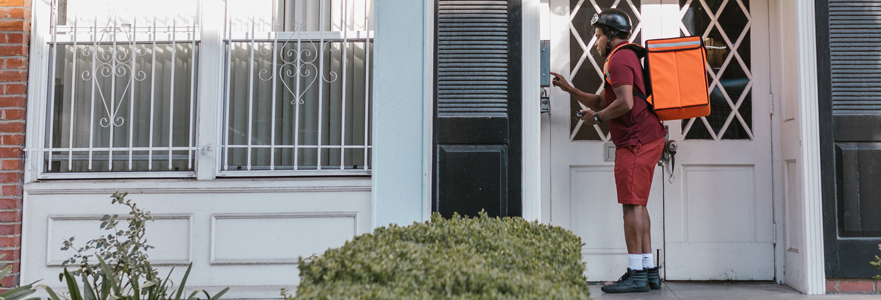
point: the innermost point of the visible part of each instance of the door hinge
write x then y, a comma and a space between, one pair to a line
775, 232
771, 102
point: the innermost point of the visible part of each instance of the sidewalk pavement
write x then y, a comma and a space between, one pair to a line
722, 291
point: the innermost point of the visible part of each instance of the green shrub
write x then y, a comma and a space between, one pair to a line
458, 258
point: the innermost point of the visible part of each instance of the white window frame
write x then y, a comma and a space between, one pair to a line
209, 104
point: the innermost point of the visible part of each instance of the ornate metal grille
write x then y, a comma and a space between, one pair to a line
122, 90
297, 89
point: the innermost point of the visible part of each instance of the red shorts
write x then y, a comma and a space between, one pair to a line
634, 170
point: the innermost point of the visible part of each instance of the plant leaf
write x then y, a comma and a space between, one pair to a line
51, 293
183, 282
109, 276
5, 271
72, 286
219, 294
89, 294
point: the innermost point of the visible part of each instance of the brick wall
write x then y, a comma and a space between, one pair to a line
15, 27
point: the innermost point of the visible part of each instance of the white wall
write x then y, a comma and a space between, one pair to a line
399, 87
246, 234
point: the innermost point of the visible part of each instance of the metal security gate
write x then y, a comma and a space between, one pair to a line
477, 135
850, 141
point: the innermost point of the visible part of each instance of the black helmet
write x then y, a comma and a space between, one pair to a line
614, 18
612, 21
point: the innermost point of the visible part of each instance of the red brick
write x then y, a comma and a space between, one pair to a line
14, 101
9, 281
10, 216
15, 88
13, 114
10, 203
10, 152
12, 25
13, 76
12, 127
10, 177
16, 63
10, 242
13, 50
11, 190
11, 255
10, 229
13, 140
14, 3
856, 286
16, 38
17, 13
11, 164
831, 286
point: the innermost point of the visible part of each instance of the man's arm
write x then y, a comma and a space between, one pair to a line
592, 101
620, 106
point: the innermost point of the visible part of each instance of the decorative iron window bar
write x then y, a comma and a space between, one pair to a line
101, 79
297, 98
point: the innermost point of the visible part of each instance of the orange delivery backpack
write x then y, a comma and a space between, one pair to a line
675, 77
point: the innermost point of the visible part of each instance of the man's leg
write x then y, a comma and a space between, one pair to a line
633, 235
648, 260
636, 279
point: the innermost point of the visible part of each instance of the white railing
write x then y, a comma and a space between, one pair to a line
108, 108
297, 98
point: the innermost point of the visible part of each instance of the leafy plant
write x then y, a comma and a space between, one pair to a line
122, 262
125, 250
17, 293
458, 258
877, 264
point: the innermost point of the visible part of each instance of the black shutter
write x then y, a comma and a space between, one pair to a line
849, 64
477, 109
855, 44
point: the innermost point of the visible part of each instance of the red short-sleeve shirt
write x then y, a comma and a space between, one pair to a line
639, 125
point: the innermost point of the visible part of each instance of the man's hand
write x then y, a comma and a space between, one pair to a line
559, 81
588, 116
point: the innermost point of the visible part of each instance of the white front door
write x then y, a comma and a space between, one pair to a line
718, 205
713, 220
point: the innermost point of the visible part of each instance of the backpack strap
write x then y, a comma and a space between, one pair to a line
640, 53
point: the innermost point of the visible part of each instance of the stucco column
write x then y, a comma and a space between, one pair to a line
398, 99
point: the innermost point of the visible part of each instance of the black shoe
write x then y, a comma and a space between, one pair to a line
654, 278
632, 281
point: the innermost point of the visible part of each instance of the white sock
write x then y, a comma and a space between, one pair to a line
635, 261
648, 261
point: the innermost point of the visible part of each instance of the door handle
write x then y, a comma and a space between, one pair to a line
668, 157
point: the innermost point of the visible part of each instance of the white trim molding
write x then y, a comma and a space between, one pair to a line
531, 177
428, 108
214, 260
815, 273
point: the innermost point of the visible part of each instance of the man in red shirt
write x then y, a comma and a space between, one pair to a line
639, 140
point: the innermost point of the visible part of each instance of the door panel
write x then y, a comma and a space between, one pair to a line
719, 203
